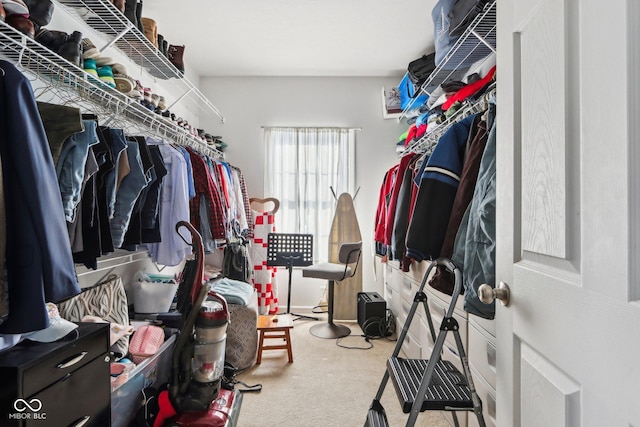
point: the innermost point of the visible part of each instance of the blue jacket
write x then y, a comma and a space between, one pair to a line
438, 186
39, 264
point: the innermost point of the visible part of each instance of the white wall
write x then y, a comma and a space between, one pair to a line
248, 103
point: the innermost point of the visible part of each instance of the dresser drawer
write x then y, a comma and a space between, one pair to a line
30, 368
62, 361
488, 397
438, 311
411, 347
482, 354
78, 396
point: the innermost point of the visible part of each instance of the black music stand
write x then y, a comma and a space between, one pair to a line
290, 250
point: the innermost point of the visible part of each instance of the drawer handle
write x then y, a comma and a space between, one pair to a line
83, 421
72, 361
491, 406
491, 356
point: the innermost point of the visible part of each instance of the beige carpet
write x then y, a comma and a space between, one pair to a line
326, 385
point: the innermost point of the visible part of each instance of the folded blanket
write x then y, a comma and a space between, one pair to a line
234, 291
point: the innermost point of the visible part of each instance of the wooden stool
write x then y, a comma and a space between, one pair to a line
274, 326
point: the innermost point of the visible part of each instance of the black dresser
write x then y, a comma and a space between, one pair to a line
63, 383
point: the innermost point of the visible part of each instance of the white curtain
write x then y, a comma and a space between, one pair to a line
302, 165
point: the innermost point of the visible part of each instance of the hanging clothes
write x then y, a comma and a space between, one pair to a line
405, 161
173, 207
475, 245
382, 211
207, 197
442, 280
39, 264
438, 186
264, 277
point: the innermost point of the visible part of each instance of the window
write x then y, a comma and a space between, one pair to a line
306, 169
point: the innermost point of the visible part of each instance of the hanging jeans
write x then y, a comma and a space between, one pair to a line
127, 194
117, 144
70, 166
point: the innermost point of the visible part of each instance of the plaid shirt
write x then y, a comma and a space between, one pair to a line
245, 199
206, 192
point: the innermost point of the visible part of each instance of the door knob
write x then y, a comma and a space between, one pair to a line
487, 294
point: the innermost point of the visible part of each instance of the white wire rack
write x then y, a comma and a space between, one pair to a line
104, 17
427, 143
55, 77
475, 44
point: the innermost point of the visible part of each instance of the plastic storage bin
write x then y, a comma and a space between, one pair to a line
154, 371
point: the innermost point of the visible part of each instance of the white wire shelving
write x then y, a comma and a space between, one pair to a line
55, 77
104, 17
477, 43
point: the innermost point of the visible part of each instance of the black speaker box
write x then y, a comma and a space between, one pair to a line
372, 310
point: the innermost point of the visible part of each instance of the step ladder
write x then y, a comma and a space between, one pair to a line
434, 384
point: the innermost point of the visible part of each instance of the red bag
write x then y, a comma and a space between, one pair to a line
145, 342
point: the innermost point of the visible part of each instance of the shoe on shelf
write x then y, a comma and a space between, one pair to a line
3, 14
162, 103
15, 7
130, 11
40, 11
106, 76
147, 93
90, 67
71, 49
160, 42
176, 57
134, 94
89, 50
125, 84
51, 39
139, 16
22, 24
165, 48
119, 70
104, 60
119, 4
150, 30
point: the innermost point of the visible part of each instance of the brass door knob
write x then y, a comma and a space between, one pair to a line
487, 294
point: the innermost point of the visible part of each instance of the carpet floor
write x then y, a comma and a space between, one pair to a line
330, 383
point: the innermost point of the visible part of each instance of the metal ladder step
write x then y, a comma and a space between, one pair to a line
376, 417
448, 388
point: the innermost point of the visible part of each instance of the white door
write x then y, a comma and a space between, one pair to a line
568, 213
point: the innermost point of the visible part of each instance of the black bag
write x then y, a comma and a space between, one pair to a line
420, 69
462, 15
235, 264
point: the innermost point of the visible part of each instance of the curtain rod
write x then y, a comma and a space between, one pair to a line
308, 127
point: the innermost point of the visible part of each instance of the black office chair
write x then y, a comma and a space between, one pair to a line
349, 259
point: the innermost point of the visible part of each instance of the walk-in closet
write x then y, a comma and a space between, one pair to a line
298, 213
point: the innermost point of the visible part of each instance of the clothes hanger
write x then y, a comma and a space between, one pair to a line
262, 202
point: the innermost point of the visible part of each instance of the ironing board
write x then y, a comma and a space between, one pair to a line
345, 228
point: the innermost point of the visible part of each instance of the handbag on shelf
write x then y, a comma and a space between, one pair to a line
235, 263
106, 300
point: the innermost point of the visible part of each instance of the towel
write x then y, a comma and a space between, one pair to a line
234, 291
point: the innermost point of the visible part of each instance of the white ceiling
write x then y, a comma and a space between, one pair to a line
296, 37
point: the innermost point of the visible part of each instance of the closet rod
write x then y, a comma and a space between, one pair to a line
429, 140
308, 127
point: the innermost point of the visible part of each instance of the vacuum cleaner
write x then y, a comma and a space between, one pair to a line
195, 396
